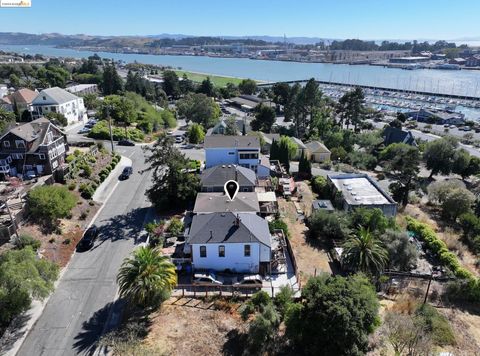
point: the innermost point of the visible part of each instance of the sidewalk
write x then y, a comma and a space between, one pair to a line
11, 341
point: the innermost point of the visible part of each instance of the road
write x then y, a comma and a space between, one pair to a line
75, 315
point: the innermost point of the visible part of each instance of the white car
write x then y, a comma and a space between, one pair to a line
206, 279
254, 281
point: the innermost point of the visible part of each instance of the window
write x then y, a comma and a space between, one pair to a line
221, 251
231, 153
41, 156
246, 250
20, 143
6, 144
203, 251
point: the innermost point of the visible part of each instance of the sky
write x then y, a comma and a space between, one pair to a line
338, 19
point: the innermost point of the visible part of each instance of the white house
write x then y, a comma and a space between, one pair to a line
241, 150
61, 101
238, 242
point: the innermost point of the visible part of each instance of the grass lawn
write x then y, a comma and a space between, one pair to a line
218, 81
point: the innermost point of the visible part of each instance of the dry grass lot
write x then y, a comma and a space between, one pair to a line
310, 259
194, 327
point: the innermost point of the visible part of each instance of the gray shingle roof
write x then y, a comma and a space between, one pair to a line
218, 175
244, 202
395, 135
232, 142
221, 228
54, 96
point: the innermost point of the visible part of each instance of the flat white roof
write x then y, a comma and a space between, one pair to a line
266, 196
359, 191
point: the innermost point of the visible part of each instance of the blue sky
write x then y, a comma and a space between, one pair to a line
365, 19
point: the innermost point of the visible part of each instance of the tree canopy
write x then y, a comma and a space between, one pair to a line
336, 316
199, 108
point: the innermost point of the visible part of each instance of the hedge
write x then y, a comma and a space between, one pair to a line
439, 248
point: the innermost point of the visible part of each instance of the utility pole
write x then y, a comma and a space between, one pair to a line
110, 128
428, 287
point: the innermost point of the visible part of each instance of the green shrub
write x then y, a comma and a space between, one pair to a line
67, 241
279, 224
25, 240
320, 186
70, 158
72, 186
86, 190
438, 247
437, 325
49, 203
175, 227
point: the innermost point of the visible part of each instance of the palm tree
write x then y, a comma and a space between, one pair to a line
365, 253
146, 276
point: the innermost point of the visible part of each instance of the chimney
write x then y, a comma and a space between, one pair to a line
237, 221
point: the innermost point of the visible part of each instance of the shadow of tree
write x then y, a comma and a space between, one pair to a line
14, 332
88, 338
232, 347
123, 227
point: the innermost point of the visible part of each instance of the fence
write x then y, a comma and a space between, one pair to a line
294, 261
233, 291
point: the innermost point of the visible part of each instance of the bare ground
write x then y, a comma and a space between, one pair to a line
194, 327
310, 259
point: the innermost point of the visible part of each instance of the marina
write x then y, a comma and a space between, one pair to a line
387, 89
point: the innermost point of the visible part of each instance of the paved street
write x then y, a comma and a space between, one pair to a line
75, 314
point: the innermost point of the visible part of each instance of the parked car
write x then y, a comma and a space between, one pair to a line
125, 143
30, 175
88, 239
453, 126
467, 128
206, 279
126, 173
84, 130
254, 281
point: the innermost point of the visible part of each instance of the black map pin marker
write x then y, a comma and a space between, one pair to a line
231, 189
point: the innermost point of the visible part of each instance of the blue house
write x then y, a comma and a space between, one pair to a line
240, 150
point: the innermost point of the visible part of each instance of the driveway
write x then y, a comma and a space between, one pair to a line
75, 315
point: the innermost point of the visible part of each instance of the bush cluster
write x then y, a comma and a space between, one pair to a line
87, 190
279, 224
101, 132
438, 247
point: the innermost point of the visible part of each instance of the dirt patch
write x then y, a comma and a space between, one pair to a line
311, 260
59, 246
193, 327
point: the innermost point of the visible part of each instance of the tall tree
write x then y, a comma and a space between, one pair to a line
335, 316
196, 133
171, 84
185, 85
363, 252
171, 178
264, 119
146, 277
402, 161
231, 128
111, 81
207, 88
438, 155
351, 108
199, 108
247, 86
304, 166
